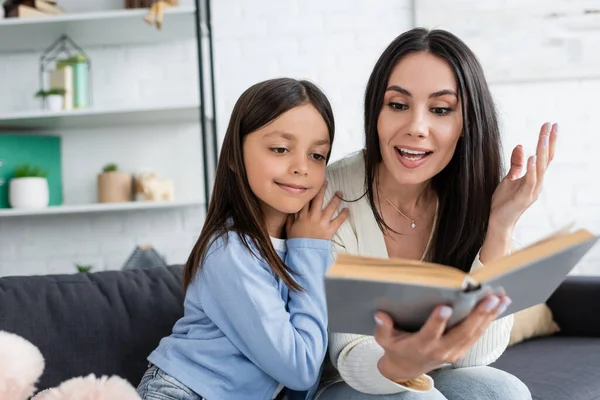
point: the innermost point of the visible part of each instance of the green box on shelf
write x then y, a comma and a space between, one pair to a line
43, 151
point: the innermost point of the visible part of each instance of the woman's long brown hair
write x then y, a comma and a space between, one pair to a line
465, 187
233, 206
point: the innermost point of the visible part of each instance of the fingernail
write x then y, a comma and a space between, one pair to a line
445, 312
548, 127
533, 159
378, 321
504, 305
492, 303
546, 140
556, 128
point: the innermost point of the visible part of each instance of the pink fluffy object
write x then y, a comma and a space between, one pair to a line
21, 365
90, 388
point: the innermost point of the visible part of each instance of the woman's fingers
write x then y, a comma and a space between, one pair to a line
484, 323
434, 327
531, 176
469, 329
517, 162
384, 329
552, 145
542, 153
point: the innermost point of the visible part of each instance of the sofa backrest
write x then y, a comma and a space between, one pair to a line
104, 323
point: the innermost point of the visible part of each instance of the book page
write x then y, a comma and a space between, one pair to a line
540, 249
395, 270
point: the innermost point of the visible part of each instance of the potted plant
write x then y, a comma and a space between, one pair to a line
114, 186
29, 188
53, 98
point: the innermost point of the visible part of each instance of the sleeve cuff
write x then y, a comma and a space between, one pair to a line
310, 243
368, 379
477, 264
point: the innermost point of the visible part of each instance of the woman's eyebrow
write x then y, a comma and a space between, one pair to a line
400, 89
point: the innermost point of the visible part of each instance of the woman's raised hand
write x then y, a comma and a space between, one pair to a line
518, 191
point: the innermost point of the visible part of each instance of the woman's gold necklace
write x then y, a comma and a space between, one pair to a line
411, 220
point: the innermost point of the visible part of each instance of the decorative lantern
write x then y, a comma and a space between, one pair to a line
65, 66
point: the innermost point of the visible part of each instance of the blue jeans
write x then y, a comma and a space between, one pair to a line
157, 385
480, 383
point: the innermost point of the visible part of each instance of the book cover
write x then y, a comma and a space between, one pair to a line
409, 291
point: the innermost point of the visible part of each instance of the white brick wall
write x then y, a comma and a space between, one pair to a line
542, 63
334, 43
131, 76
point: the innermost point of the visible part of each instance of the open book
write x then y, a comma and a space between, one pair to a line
409, 290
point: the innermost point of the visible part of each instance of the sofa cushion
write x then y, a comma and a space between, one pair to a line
104, 323
556, 368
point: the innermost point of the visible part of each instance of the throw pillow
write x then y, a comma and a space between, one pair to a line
533, 322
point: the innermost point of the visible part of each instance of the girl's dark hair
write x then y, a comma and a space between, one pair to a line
233, 206
466, 185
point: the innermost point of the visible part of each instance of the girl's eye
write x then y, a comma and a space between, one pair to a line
398, 106
318, 157
441, 110
279, 150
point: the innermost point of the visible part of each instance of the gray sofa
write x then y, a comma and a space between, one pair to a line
108, 322
567, 365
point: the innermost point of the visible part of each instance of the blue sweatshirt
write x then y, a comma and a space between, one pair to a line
243, 332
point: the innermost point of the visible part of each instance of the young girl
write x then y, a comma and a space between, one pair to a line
255, 318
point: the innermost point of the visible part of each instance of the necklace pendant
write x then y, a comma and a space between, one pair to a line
413, 225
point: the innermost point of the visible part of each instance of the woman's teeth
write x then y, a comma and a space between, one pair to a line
412, 155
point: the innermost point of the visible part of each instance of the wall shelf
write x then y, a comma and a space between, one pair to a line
100, 28
96, 117
98, 208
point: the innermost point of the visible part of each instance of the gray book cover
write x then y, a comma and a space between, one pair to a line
352, 303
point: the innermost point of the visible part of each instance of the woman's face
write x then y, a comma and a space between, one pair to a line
421, 119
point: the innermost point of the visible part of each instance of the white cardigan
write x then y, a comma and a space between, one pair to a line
356, 356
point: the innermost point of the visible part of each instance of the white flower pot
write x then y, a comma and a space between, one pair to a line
29, 193
55, 102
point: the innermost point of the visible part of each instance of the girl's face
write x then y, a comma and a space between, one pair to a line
421, 119
285, 161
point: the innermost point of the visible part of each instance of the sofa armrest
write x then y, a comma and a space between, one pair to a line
576, 306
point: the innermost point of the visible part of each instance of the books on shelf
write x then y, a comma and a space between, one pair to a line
31, 8
409, 290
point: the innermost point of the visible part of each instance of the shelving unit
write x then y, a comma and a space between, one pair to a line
97, 29
93, 117
98, 208
119, 28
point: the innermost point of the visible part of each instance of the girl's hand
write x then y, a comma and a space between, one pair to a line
312, 221
516, 193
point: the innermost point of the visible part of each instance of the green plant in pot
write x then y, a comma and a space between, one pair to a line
114, 186
28, 189
53, 98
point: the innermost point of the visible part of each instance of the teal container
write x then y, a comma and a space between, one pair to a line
43, 151
80, 85
81, 79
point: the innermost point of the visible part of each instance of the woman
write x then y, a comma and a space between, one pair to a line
429, 186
